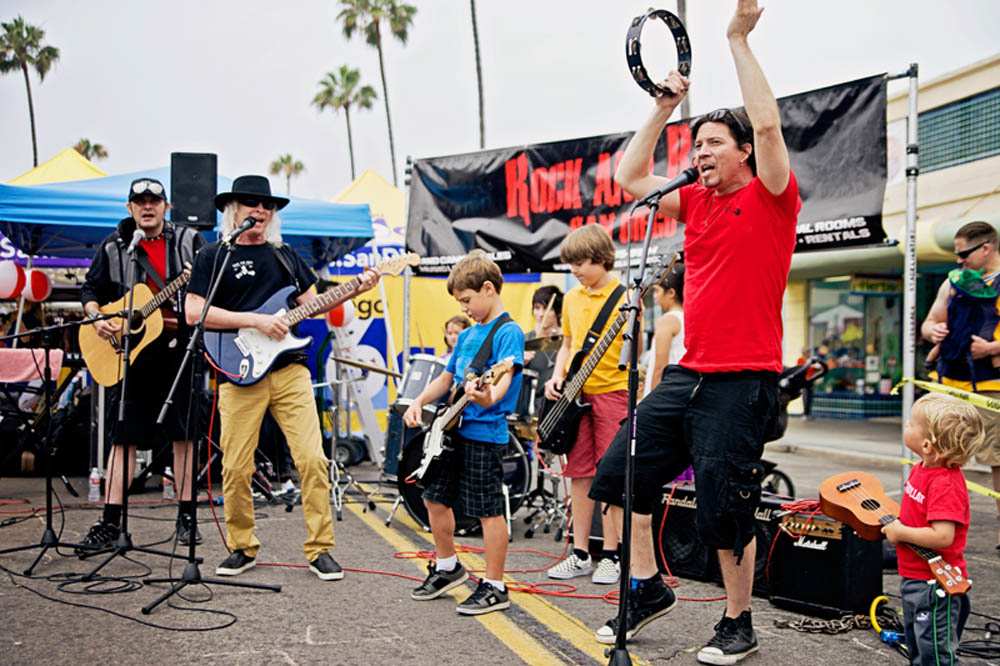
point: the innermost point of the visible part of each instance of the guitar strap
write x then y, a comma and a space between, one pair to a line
283, 260
594, 334
482, 357
147, 266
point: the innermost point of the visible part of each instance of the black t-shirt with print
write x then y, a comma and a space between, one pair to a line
253, 275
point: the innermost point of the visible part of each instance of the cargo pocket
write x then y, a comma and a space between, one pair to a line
742, 497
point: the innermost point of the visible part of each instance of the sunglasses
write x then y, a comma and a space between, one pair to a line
251, 202
147, 186
967, 252
720, 116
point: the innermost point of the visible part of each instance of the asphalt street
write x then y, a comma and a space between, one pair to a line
369, 617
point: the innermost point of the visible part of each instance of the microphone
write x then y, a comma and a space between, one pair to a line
235, 233
685, 177
137, 236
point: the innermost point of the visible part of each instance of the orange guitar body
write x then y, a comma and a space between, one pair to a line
861, 506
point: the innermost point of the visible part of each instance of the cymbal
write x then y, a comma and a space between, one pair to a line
367, 366
546, 343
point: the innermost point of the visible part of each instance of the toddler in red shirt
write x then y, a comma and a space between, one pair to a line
945, 432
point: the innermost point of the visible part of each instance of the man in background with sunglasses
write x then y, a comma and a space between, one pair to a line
712, 409
162, 253
260, 266
963, 326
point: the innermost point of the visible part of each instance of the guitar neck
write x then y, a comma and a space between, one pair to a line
925, 554
161, 298
575, 385
323, 302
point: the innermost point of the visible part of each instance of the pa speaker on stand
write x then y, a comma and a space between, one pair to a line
193, 189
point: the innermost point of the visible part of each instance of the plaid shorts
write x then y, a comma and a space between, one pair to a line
470, 478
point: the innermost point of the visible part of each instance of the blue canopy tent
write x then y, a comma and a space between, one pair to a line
70, 219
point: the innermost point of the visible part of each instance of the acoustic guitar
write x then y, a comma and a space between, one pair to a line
857, 499
105, 359
436, 440
246, 355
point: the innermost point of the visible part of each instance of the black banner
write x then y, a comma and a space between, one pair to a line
519, 203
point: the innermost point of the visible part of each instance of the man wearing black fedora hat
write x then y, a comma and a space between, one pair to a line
162, 253
261, 265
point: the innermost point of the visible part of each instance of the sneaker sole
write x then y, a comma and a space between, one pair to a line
564, 576
450, 586
333, 575
483, 611
610, 640
604, 581
725, 659
224, 571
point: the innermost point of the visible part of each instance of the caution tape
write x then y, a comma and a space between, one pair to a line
987, 403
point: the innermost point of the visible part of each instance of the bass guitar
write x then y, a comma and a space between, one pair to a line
436, 439
105, 359
559, 420
246, 355
857, 499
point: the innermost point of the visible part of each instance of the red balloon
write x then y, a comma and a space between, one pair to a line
12, 279
38, 287
342, 315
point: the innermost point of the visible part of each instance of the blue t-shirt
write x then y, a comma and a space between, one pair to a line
488, 424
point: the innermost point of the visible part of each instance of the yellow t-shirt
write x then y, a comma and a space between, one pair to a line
580, 309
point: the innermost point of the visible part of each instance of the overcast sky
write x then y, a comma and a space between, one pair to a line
237, 78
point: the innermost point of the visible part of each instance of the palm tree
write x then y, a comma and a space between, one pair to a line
368, 16
92, 151
479, 76
339, 90
20, 48
287, 166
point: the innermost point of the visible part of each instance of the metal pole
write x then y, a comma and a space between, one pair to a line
910, 262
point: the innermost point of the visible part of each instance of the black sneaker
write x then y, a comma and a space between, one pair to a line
235, 564
439, 582
101, 536
326, 568
485, 599
733, 640
646, 604
184, 530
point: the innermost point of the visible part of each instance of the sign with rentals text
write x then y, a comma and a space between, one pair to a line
521, 202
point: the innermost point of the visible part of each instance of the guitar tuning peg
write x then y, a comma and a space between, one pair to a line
941, 593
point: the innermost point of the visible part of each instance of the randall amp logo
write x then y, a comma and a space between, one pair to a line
683, 502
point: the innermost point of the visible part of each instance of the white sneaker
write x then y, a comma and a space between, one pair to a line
607, 572
571, 567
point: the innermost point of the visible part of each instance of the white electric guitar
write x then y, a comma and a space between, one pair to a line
246, 355
436, 439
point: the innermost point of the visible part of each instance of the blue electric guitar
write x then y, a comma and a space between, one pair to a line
246, 355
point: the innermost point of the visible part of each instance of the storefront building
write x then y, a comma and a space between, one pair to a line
846, 306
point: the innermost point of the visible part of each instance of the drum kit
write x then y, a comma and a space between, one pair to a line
527, 481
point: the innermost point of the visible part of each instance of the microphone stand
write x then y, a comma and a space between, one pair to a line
124, 543
49, 538
619, 655
192, 574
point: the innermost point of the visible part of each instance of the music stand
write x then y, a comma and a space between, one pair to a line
49, 538
192, 574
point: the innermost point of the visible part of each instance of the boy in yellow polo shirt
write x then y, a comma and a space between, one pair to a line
591, 256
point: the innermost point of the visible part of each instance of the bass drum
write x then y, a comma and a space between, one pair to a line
516, 477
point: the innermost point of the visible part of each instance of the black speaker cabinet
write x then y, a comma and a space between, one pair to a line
679, 546
193, 189
821, 567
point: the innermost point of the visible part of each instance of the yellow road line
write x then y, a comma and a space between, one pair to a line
566, 626
518, 641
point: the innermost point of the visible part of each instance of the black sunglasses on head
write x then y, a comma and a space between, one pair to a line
967, 252
251, 202
720, 115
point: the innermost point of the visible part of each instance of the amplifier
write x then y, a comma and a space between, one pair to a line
821, 567
682, 549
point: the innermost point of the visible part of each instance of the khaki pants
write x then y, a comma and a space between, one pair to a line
288, 394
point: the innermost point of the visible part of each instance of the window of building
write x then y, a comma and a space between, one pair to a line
960, 132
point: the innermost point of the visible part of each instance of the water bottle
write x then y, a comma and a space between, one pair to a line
94, 491
168, 484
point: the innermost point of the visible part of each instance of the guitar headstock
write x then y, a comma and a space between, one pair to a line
658, 273
497, 371
396, 265
949, 578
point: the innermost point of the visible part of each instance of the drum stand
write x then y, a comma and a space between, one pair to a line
342, 482
545, 506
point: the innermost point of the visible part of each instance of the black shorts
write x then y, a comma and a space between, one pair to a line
714, 421
148, 383
470, 478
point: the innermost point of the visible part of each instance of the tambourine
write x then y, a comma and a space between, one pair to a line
633, 50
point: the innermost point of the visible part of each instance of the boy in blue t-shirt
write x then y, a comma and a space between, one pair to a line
475, 479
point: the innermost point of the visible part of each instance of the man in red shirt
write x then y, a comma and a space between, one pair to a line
713, 408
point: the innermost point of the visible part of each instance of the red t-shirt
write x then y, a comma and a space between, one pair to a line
737, 251
934, 493
156, 250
